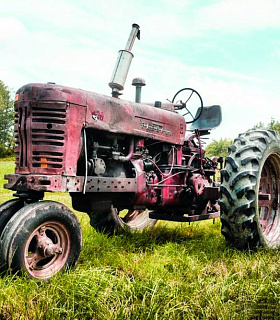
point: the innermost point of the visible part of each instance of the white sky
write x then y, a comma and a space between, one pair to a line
228, 50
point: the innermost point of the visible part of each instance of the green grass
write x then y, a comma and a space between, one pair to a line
174, 271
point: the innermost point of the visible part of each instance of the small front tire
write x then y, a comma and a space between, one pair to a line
41, 239
7, 210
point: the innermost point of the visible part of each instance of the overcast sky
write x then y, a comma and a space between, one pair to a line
228, 50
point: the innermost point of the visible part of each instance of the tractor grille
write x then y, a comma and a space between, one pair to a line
40, 135
17, 136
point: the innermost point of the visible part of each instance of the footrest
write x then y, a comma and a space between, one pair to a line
171, 217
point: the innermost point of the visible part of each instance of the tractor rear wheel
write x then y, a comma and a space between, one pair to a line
123, 220
41, 239
250, 191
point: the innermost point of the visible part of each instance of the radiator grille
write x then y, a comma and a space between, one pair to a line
21, 135
42, 145
16, 135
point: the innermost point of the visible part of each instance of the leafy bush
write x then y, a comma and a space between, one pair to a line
218, 148
6, 122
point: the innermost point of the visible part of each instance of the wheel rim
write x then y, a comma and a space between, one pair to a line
134, 219
47, 249
268, 198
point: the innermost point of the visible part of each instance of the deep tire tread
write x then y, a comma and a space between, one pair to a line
239, 194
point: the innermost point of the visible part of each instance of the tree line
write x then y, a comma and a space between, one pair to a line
220, 147
6, 122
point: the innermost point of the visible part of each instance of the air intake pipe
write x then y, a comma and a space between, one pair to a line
123, 63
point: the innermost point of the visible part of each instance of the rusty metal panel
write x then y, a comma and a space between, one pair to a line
76, 120
44, 183
51, 183
47, 132
211, 193
115, 115
108, 184
51, 92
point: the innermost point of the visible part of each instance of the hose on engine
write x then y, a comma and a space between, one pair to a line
86, 160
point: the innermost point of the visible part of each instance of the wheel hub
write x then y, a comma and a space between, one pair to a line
46, 247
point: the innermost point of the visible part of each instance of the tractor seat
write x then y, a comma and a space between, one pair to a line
210, 118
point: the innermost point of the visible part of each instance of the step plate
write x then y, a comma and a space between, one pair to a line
169, 217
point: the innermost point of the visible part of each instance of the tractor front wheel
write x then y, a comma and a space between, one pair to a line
41, 239
250, 190
7, 210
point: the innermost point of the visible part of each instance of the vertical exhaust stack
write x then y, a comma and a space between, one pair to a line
123, 63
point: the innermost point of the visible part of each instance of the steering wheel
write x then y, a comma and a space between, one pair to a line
186, 112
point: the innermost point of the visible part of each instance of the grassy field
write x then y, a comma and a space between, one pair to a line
175, 271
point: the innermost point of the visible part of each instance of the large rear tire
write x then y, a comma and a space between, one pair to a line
41, 239
119, 221
250, 191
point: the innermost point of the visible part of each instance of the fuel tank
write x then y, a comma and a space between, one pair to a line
113, 114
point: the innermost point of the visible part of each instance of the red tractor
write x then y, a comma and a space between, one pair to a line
127, 165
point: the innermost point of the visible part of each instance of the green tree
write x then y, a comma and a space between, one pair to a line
218, 148
273, 124
6, 121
